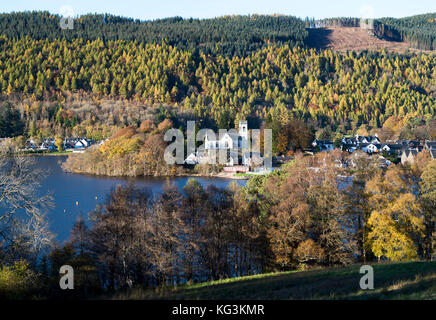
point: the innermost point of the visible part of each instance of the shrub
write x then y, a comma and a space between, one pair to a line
18, 281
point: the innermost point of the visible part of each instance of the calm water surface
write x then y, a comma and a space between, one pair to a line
75, 193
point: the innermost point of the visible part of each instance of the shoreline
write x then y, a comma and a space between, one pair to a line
222, 174
219, 175
44, 154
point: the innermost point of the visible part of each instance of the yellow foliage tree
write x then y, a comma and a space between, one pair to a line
282, 143
387, 241
395, 216
59, 143
394, 123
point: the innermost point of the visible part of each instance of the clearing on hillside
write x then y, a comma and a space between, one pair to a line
352, 39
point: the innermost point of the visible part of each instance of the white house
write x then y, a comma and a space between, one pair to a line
409, 156
356, 140
370, 148
367, 139
79, 144
85, 143
386, 148
191, 159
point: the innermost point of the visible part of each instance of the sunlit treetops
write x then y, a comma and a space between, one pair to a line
276, 82
228, 36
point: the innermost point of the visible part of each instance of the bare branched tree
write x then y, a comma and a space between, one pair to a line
23, 221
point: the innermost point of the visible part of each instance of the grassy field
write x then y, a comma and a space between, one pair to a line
240, 174
409, 280
46, 154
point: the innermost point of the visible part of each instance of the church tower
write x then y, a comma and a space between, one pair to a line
243, 135
243, 129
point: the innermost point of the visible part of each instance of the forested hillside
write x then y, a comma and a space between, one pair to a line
214, 70
276, 83
228, 36
347, 22
419, 31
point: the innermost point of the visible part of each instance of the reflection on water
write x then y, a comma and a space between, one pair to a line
74, 194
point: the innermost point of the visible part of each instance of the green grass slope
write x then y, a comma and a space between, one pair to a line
411, 280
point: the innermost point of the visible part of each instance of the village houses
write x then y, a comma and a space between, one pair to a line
405, 150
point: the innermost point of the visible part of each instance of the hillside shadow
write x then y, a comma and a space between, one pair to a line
318, 38
417, 290
340, 283
310, 284
413, 280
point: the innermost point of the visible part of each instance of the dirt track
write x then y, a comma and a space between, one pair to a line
353, 39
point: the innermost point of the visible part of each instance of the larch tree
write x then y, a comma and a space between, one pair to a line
396, 222
428, 200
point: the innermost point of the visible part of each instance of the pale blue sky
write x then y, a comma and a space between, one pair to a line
147, 9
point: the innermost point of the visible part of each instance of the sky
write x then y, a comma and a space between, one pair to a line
154, 9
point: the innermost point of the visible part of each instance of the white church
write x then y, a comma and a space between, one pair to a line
231, 141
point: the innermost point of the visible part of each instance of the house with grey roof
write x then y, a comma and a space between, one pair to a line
409, 156
357, 140
323, 145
